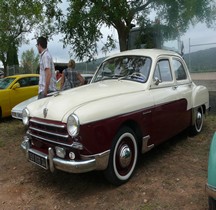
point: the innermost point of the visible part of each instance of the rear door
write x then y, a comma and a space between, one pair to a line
166, 102
184, 88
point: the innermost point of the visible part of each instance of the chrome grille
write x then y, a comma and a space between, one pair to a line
47, 130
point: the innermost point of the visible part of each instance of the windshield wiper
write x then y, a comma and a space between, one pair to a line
137, 76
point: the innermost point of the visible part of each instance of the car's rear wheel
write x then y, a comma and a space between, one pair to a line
212, 203
198, 123
123, 157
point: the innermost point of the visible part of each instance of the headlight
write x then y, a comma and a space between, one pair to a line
73, 125
25, 116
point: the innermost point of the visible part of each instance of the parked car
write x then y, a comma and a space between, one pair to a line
16, 111
211, 182
136, 100
15, 89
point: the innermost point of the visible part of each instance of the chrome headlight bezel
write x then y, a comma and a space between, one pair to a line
73, 125
25, 116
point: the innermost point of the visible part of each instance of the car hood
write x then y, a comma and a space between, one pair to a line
85, 100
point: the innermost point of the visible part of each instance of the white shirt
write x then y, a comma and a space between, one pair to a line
46, 61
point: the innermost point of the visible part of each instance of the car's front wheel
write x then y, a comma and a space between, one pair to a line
212, 203
123, 157
198, 124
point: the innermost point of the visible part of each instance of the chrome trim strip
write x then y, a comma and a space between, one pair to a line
54, 134
47, 124
146, 112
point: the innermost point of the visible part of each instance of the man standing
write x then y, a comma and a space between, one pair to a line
47, 79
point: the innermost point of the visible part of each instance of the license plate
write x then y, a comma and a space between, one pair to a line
39, 159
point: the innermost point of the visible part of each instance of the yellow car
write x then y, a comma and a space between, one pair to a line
15, 89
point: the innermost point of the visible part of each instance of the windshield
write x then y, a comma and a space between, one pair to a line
5, 82
135, 68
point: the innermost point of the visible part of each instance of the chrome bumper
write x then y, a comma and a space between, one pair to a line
211, 191
88, 163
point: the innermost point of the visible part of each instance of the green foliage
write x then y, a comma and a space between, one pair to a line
82, 25
29, 61
17, 19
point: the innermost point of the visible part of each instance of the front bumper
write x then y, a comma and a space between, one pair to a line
211, 191
88, 163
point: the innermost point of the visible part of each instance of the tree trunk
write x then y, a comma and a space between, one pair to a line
123, 38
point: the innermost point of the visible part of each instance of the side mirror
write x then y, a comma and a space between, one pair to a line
16, 85
157, 81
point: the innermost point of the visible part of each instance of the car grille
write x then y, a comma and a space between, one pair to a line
50, 131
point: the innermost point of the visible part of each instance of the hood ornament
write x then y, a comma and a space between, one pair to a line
45, 111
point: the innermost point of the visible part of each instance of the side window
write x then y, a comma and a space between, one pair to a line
23, 82
33, 81
163, 71
28, 81
179, 70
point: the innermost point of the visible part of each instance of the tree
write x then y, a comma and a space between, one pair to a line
17, 19
29, 61
85, 18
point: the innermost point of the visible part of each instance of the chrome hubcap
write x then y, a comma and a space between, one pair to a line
125, 156
199, 120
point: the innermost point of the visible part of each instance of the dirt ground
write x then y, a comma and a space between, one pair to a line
169, 177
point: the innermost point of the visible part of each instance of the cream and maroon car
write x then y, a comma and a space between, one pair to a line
136, 100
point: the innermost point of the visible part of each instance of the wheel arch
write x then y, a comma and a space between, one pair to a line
200, 97
136, 129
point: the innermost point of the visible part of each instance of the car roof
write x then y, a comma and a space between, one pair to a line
145, 52
23, 75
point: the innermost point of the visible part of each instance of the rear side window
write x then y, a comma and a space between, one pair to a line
28, 81
163, 71
179, 70
33, 81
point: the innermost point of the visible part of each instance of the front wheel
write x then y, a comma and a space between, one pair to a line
123, 157
198, 124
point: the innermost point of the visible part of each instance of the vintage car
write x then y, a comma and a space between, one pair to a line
211, 182
15, 89
136, 100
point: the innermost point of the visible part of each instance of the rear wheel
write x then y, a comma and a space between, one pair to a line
198, 124
123, 157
